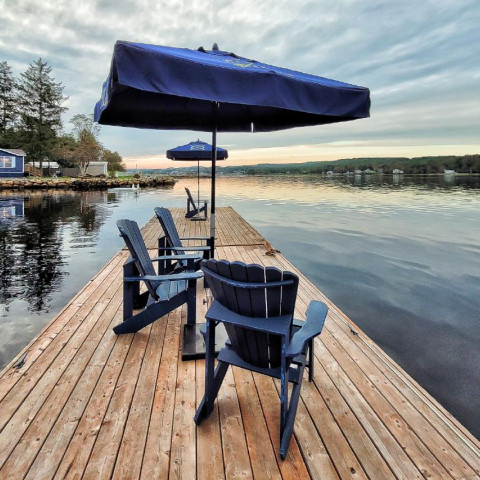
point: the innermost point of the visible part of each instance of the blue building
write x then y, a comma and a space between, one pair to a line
12, 163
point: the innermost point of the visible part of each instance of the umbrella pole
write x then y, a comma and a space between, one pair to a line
198, 186
214, 165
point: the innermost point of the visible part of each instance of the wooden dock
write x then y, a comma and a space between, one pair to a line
88, 404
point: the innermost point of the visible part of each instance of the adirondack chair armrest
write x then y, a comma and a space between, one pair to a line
191, 256
313, 325
275, 325
193, 248
162, 278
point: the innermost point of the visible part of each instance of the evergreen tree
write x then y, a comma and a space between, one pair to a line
40, 104
8, 105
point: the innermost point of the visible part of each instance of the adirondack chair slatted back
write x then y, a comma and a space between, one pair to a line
166, 221
190, 198
132, 236
259, 348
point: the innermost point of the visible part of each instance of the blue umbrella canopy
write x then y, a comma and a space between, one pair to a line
195, 151
153, 86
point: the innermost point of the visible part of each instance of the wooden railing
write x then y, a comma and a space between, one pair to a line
33, 171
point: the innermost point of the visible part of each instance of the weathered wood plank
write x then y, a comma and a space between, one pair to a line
156, 459
77, 453
235, 450
210, 464
107, 442
414, 446
260, 448
130, 456
183, 448
389, 461
315, 455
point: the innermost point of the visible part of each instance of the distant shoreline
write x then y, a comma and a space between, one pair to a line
432, 165
325, 176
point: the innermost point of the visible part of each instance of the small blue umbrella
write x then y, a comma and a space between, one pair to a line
195, 151
152, 86
199, 151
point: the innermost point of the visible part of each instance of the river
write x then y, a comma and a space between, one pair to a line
399, 255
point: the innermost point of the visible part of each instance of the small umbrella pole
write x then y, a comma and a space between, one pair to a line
214, 165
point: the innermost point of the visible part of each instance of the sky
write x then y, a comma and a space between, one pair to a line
420, 60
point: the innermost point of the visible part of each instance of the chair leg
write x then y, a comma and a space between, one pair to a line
310, 360
129, 290
289, 408
283, 395
213, 379
287, 432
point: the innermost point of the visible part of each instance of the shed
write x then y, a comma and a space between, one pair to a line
94, 169
11, 162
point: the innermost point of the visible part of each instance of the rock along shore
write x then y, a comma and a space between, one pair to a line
81, 183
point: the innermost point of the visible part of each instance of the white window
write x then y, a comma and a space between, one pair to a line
7, 162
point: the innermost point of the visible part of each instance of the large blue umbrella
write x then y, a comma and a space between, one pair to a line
199, 151
152, 86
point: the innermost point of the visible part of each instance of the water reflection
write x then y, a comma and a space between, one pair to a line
33, 255
11, 209
399, 254
32, 250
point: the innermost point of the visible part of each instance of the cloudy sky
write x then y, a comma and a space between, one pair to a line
420, 59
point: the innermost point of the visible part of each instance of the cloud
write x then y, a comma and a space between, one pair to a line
420, 60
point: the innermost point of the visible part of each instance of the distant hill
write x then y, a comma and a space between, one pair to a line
416, 165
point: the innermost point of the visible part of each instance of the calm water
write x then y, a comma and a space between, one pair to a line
400, 256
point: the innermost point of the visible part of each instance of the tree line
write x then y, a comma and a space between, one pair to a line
386, 165
31, 109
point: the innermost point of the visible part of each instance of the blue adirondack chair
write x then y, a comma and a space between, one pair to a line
166, 290
193, 345
171, 242
193, 209
256, 306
